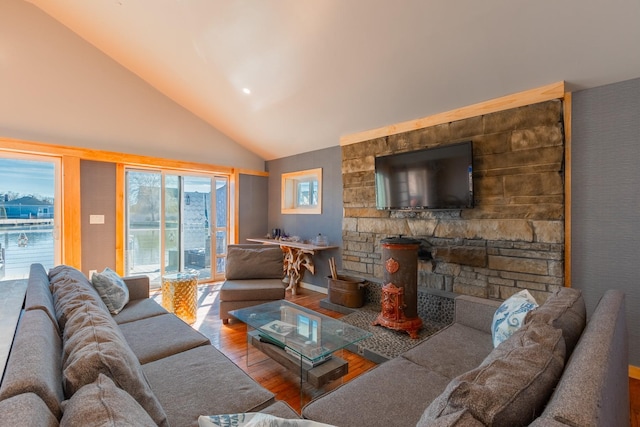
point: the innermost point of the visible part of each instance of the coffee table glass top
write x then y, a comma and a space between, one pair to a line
297, 329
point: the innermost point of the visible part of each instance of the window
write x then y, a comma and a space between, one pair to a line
302, 192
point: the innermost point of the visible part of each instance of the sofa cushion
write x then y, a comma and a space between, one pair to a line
103, 404
509, 317
71, 290
83, 329
63, 272
171, 336
255, 290
95, 348
38, 295
514, 382
254, 263
26, 409
363, 401
452, 351
112, 289
203, 381
564, 309
34, 364
475, 312
139, 309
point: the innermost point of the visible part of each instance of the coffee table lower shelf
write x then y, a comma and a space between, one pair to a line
317, 376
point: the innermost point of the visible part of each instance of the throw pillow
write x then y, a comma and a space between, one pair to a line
69, 294
510, 315
112, 289
564, 309
512, 385
101, 403
95, 350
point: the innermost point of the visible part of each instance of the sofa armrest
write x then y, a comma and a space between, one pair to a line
594, 387
138, 287
475, 312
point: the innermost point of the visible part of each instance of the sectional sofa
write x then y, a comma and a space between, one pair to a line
74, 363
556, 370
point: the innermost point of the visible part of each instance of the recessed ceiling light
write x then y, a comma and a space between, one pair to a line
246, 90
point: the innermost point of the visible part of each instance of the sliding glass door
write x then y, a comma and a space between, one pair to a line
144, 204
171, 222
220, 222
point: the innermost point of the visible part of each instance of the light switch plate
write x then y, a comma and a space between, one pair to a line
96, 219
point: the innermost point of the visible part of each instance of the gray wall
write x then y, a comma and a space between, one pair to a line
254, 201
606, 203
329, 223
98, 197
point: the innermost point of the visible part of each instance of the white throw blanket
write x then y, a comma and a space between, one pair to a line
253, 419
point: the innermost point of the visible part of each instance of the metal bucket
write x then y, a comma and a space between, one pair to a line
347, 291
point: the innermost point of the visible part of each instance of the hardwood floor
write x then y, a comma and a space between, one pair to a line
231, 339
634, 401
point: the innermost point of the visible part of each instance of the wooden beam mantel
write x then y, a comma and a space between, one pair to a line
520, 99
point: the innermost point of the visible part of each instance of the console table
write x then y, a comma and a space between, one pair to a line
298, 257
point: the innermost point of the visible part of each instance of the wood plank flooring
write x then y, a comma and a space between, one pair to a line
634, 401
231, 339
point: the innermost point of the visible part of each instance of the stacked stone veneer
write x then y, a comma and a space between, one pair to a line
514, 236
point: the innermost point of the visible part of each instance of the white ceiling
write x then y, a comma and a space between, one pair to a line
322, 69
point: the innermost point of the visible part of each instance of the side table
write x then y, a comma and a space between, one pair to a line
180, 294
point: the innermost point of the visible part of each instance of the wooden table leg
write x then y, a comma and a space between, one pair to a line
296, 261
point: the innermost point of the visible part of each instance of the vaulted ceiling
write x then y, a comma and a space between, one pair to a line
317, 70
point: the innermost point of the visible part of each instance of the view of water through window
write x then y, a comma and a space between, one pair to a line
27, 191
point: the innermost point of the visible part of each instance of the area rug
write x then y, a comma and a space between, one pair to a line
385, 344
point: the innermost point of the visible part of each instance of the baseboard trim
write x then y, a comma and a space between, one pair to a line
314, 288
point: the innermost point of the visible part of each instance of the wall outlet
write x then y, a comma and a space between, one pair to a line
91, 273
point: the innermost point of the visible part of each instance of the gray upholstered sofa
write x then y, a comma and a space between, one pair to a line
253, 274
73, 363
553, 371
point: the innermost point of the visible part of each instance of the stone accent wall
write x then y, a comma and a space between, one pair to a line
512, 239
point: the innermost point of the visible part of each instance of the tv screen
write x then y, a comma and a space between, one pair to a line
433, 178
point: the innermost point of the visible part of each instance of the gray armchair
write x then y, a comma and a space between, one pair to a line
254, 274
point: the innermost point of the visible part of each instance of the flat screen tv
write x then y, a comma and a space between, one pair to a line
433, 178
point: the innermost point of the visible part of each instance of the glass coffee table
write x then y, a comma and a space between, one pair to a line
302, 340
